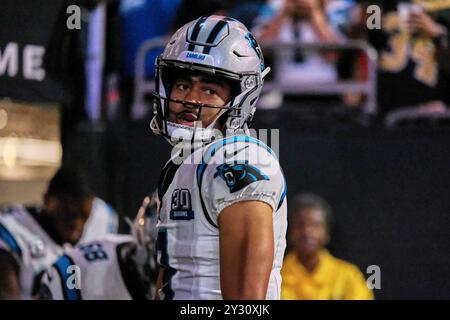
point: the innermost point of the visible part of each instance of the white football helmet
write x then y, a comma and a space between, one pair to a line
217, 46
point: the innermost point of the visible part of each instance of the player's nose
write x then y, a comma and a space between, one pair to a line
192, 96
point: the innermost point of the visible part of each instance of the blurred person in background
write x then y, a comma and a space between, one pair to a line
410, 43
115, 267
306, 21
70, 214
302, 21
299, 20
309, 271
9, 276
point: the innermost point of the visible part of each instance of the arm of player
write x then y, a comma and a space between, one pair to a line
246, 249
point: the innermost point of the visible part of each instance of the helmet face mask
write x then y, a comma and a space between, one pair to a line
218, 47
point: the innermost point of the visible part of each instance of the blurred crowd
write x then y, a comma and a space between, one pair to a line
410, 39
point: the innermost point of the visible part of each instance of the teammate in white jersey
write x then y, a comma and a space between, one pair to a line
30, 250
70, 215
116, 267
222, 221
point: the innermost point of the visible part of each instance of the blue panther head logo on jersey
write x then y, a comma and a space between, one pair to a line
239, 175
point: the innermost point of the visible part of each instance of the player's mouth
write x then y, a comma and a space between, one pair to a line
187, 119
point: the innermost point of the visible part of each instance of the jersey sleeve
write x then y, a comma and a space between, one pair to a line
239, 171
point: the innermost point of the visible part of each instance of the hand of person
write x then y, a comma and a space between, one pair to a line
420, 21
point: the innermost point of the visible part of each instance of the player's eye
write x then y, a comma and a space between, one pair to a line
182, 86
210, 91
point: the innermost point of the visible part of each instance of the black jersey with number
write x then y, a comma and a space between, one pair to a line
408, 69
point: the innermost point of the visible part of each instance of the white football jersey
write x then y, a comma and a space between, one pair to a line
91, 271
39, 250
192, 195
103, 220
34, 251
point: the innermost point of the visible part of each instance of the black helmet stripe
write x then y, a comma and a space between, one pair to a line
195, 32
214, 33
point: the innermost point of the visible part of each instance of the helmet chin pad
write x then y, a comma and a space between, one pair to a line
182, 133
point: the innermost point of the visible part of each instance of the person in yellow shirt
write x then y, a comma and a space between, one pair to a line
309, 271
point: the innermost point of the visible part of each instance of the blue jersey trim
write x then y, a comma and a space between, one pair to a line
10, 241
283, 195
62, 265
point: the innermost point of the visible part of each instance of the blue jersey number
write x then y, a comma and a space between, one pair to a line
93, 252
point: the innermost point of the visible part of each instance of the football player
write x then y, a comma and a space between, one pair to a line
222, 223
117, 267
30, 251
70, 215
